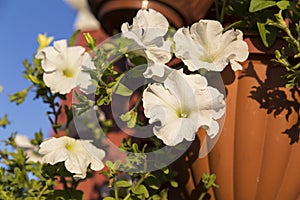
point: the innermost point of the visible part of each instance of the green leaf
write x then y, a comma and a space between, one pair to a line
135, 148
70, 194
122, 90
73, 38
152, 182
122, 183
267, 33
256, 5
116, 165
130, 117
156, 197
141, 189
166, 170
4, 121
209, 180
235, 25
174, 184
34, 79
283, 5
19, 97
109, 198
90, 40
109, 164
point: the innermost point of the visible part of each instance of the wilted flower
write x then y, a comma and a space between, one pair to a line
84, 20
30, 150
148, 30
206, 46
64, 67
183, 104
78, 155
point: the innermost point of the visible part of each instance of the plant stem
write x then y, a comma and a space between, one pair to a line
295, 42
116, 190
137, 184
140, 97
217, 9
42, 191
223, 11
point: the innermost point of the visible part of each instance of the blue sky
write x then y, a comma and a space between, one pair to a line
21, 21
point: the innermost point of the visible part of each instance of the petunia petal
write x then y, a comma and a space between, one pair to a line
52, 144
84, 79
75, 163
159, 54
95, 155
22, 141
182, 90
55, 157
213, 101
159, 104
157, 72
187, 49
148, 30
152, 22
212, 128
75, 56
58, 82
207, 34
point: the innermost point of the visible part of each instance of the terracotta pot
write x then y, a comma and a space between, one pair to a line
257, 154
112, 13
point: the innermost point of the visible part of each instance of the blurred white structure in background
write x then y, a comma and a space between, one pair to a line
85, 20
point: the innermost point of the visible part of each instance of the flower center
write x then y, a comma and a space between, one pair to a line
70, 147
68, 73
181, 114
208, 58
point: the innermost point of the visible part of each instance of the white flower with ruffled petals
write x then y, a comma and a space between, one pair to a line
148, 30
206, 46
78, 155
183, 104
63, 67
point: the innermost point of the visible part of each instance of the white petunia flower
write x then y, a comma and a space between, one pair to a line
148, 30
78, 155
183, 104
30, 150
63, 67
206, 46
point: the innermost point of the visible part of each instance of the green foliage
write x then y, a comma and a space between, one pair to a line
208, 182
268, 18
73, 38
34, 74
267, 33
144, 185
20, 178
130, 117
91, 42
20, 96
4, 121
257, 5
